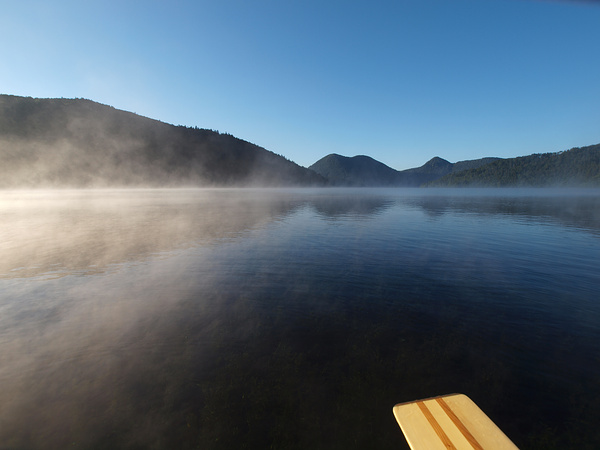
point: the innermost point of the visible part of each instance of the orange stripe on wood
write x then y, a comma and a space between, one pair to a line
463, 429
436, 426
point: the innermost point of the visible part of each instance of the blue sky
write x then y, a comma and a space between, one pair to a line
401, 81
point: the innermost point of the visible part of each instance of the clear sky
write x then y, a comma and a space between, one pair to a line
399, 80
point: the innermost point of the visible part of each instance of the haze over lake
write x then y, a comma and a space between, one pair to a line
295, 318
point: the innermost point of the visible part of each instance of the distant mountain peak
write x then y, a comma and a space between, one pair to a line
360, 170
437, 160
363, 170
436, 164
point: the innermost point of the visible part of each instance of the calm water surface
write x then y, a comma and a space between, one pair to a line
294, 318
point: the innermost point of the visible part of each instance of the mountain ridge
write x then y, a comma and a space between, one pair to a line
365, 171
360, 170
79, 143
82, 143
576, 167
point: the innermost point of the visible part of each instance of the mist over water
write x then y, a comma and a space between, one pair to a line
228, 318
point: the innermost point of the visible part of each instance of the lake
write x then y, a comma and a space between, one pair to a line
295, 318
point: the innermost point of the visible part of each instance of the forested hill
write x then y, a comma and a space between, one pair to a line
436, 168
81, 143
355, 171
366, 171
575, 167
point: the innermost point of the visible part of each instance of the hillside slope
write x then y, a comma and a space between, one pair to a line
81, 143
575, 167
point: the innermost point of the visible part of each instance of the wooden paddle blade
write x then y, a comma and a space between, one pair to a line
449, 422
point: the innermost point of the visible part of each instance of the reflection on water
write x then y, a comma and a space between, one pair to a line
61, 232
577, 208
294, 318
73, 231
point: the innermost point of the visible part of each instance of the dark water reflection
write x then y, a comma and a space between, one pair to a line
571, 208
294, 319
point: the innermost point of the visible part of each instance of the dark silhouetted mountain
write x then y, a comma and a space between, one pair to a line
356, 171
81, 143
432, 170
437, 168
365, 171
575, 167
